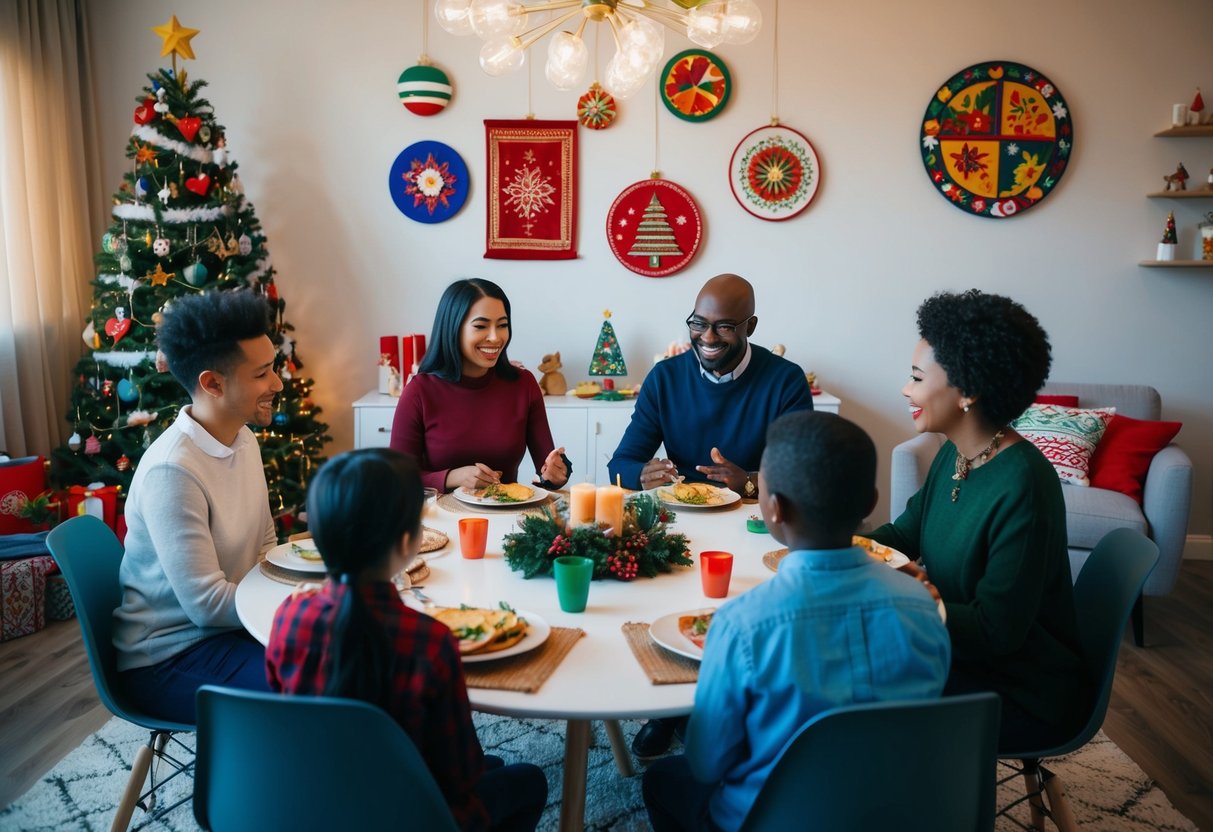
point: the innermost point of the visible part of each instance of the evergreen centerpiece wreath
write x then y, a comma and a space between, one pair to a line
647, 546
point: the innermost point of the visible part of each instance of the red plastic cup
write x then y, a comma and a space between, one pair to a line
473, 537
715, 570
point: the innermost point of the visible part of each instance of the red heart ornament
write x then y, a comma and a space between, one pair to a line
145, 112
116, 328
189, 127
199, 184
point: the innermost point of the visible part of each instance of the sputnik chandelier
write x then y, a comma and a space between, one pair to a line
510, 27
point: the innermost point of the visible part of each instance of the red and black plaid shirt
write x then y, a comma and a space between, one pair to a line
428, 696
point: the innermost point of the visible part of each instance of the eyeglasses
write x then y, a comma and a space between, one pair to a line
724, 329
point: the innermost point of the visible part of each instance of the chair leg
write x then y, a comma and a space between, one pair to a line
1032, 784
1139, 622
130, 797
1059, 807
158, 741
623, 758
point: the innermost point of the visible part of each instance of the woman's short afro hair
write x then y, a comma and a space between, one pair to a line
992, 349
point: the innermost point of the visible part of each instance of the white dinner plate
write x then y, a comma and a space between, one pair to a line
286, 556
666, 495
537, 633
665, 632
464, 496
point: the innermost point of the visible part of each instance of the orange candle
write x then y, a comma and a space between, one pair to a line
608, 507
581, 504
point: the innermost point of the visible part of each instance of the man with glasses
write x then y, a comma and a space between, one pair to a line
711, 407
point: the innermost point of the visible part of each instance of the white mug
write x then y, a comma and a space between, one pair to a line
1179, 114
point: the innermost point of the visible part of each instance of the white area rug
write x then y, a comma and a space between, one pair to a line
1107, 790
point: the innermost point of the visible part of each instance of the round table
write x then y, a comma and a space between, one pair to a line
599, 678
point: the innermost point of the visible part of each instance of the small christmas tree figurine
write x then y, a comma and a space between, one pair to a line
608, 357
1166, 248
1198, 105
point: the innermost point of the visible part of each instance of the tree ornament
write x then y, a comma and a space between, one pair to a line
107, 242
199, 184
127, 391
141, 187
159, 277
92, 445
280, 418
204, 133
163, 194
74, 441
119, 325
195, 273
145, 112
121, 244
123, 462
161, 247
161, 361
245, 245
140, 418
90, 337
107, 388
189, 127
596, 109
424, 90
161, 106
176, 39
124, 263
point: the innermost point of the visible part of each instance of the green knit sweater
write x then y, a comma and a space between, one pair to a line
998, 557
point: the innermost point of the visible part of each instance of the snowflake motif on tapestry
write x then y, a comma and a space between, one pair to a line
529, 192
429, 183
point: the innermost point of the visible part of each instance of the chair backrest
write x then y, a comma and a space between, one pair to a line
269, 761
925, 764
89, 554
1137, 401
1104, 594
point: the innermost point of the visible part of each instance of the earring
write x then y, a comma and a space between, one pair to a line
966, 408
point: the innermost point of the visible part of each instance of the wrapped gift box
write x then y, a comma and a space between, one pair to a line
23, 595
21, 480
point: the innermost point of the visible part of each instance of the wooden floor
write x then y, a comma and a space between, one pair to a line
1161, 712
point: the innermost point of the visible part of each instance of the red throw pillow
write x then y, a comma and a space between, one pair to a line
1123, 456
1060, 401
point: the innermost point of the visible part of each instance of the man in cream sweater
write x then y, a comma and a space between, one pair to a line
198, 512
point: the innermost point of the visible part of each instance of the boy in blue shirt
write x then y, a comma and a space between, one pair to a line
833, 627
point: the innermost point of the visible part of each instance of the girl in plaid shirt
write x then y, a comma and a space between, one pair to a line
353, 637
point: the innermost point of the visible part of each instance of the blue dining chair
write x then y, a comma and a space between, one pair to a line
1104, 596
88, 555
922, 764
270, 761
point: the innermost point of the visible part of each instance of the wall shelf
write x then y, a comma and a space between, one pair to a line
1187, 131
1177, 264
1205, 193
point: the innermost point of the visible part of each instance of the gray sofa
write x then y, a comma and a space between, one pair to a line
1093, 512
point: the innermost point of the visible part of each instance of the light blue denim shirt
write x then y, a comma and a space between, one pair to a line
833, 627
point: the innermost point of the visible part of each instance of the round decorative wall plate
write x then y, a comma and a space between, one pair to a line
996, 138
429, 182
654, 227
774, 173
695, 85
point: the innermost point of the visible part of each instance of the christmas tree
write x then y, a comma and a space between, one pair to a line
180, 225
1168, 233
608, 357
654, 237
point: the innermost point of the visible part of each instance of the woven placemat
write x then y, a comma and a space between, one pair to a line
524, 672
660, 665
418, 572
456, 506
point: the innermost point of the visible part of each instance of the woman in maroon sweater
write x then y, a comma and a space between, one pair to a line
469, 415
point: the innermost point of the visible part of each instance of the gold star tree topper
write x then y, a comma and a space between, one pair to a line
176, 39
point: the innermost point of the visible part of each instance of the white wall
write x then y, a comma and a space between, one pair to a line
307, 92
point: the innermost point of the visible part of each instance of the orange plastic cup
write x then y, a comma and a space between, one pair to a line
473, 537
715, 570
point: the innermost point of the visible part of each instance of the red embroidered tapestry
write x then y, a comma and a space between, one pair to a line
532, 199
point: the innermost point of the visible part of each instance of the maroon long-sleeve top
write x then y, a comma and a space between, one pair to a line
491, 420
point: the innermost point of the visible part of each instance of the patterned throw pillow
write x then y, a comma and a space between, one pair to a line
1067, 436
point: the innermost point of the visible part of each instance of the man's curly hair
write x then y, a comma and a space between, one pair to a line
203, 332
992, 349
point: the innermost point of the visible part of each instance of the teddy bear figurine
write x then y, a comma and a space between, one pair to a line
552, 383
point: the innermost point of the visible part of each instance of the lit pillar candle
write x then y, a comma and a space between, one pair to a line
608, 507
581, 504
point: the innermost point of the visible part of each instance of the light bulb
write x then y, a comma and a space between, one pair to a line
623, 79
705, 24
453, 16
501, 55
742, 20
644, 40
492, 19
567, 60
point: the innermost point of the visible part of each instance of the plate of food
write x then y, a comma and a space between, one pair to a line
696, 495
299, 555
683, 633
501, 494
885, 554
489, 633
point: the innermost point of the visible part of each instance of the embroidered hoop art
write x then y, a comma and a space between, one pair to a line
429, 182
996, 138
654, 227
774, 173
695, 85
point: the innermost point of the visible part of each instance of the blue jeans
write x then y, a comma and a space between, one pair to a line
676, 801
166, 690
514, 795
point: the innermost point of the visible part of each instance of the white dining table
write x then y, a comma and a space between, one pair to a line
600, 678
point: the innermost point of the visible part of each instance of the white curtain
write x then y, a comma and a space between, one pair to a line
51, 214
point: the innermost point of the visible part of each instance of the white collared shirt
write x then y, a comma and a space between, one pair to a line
730, 376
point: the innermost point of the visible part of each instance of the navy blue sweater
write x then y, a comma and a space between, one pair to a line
692, 415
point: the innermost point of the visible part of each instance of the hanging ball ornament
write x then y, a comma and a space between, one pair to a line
124, 263
107, 242
123, 463
160, 247
92, 445
141, 187
127, 391
204, 134
281, 419
596, 109
195, 273
74, 441
245, 245
424, 90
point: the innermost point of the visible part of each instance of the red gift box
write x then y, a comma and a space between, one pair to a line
101, 501
21, 480
23, 595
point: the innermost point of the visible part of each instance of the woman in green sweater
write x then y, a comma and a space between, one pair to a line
989, 523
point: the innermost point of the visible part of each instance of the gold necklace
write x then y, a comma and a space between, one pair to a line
964, 464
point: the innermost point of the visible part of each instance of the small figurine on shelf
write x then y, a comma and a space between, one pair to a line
1179, 179
1206, 237
1209, 183
1196, 110
811, 378
552, 383
607, 360
778, 349
674, 348
1166, 248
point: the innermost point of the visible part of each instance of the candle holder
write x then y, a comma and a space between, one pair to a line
645, 548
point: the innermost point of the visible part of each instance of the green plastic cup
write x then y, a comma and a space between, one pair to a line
573, 574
